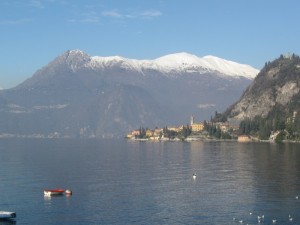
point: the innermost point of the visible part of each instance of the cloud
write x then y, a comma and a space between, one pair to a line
94, 14
42, 4
112, 13
117, 14
94, 17
149, 14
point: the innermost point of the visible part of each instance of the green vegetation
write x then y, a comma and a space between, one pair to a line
288, 124
280, 137
182, 134
213, 130
282, 120
142, 133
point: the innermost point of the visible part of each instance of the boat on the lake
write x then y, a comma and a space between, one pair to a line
7, 215
54, 192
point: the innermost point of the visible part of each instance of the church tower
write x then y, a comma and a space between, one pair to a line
192, 120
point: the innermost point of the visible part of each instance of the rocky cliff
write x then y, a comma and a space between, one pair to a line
275, 89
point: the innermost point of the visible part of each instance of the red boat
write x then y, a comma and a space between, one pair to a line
54, 192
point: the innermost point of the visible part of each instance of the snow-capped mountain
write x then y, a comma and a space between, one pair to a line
187, 62
174, 64
77, 95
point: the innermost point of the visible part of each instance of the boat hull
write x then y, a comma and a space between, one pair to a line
7, 215
53, 192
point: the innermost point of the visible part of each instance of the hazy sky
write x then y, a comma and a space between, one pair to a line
34, 32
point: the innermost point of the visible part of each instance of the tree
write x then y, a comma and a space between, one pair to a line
142, 132
280, 137
186, 131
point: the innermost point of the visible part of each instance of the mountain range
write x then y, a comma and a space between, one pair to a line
77, 95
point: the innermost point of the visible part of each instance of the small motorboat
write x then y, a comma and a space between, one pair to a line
7, 215
54, 192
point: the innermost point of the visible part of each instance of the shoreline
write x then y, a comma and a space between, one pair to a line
213, 140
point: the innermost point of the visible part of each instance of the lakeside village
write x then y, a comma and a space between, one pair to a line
190, 132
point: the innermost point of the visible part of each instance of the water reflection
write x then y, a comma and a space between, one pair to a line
118, 182
7, 221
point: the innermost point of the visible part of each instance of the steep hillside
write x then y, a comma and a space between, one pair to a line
273, 99
276, 85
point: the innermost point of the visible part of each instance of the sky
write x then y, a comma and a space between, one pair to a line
34, 32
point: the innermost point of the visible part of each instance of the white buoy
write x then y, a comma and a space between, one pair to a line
194, 176
68, 192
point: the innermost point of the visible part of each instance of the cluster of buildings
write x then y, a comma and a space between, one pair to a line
195, 128
200, 131
155, 134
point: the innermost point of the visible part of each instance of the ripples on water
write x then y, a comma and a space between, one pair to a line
124, 182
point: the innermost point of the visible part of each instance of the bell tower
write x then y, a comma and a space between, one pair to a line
192, 119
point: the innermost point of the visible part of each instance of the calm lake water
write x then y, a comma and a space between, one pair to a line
125, 182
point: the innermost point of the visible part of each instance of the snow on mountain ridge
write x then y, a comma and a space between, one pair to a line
209, 62
177, 63
178, 59
230, 67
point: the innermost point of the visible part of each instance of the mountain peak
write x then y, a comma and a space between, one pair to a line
177, 59
179, 55
74, 59
76, 54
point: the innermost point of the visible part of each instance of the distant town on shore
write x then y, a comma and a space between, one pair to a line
204, 130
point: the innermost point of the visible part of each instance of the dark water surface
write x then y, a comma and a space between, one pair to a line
124, 182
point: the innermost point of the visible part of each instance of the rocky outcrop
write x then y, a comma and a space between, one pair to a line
276, 86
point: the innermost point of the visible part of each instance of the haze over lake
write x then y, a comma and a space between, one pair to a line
126, 182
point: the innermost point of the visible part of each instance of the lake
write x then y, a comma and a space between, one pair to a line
128, 182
